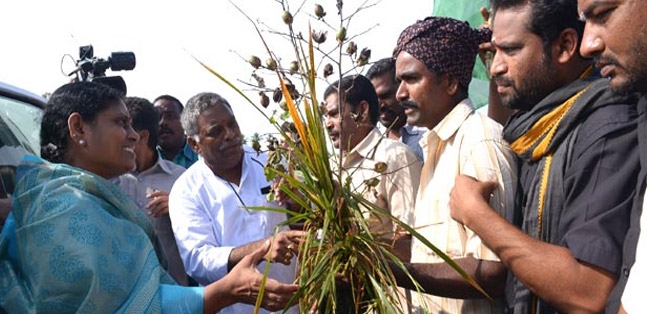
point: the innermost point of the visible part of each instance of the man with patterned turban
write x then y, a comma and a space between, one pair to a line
578, 161
434, 61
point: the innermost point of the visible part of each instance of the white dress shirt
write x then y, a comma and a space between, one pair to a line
210, 219
160, 176
397, 186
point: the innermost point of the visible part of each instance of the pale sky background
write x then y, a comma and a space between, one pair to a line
36, 34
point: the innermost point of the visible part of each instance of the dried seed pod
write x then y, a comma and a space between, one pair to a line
319, 11
380, 167
270, 64
256, 146
265, 101
328, 70
372, 182
284, 105
294, 93
364, 56
277, 95
294, 67
351, 48
341, 35
287, 17
319, 37
259, 80
254, 61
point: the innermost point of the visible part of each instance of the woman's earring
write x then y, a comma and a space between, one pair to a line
82, 142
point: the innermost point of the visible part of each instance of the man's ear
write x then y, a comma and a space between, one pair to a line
193, 144
565, 47
362, 111
143, 135
76, 126
450, 83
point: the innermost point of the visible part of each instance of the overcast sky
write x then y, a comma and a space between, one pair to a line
36, 35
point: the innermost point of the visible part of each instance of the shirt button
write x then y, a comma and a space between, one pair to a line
626, 272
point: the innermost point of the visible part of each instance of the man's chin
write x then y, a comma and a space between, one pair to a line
623, 85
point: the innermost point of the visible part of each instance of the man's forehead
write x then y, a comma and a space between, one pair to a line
586, 7
166, 105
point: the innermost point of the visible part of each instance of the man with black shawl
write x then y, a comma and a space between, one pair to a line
577, 147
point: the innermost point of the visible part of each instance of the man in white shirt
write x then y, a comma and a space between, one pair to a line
149, 184
209, 203
435, 58
351, 118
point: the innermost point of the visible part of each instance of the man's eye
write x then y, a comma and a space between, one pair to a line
602, 16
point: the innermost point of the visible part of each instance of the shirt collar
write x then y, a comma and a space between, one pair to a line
449, 125
187, 150
163, 164
365, 148
160, 165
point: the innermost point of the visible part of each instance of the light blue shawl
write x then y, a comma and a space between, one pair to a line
82, 247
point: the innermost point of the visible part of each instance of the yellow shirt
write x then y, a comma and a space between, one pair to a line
468, 143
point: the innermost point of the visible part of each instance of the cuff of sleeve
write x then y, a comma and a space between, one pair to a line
179, 299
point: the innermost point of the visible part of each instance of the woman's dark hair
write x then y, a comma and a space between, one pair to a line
85, 98
356, 88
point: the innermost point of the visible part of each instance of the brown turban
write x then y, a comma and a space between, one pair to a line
444, 45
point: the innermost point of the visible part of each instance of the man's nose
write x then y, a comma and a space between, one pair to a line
592, 44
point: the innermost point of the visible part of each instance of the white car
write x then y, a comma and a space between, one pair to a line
20, 115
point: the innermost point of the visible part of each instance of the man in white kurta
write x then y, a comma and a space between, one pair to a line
209, 203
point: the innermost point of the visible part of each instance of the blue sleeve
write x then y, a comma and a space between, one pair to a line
9, 232
179, 299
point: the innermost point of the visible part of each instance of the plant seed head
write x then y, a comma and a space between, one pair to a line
351, 48
341, 35
319, 11
284, 105
287, 17
294, 67
328, 70
364, 56
255, 62
265, 101
372, 182
270, 64
319, 37
277, 95
380, 167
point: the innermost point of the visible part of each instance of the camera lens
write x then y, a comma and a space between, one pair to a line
122, 61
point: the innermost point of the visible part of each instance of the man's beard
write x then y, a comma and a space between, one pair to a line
635, 69
526, 94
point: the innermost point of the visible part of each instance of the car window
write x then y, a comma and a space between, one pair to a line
19, 135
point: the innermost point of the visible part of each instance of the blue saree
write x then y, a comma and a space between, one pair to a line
82, 246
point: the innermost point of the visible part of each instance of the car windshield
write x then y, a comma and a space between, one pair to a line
19, 135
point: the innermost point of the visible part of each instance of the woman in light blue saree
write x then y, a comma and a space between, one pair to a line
77, 244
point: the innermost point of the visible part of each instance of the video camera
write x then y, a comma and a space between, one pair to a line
91, 68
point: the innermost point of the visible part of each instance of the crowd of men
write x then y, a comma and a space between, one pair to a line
544, 212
